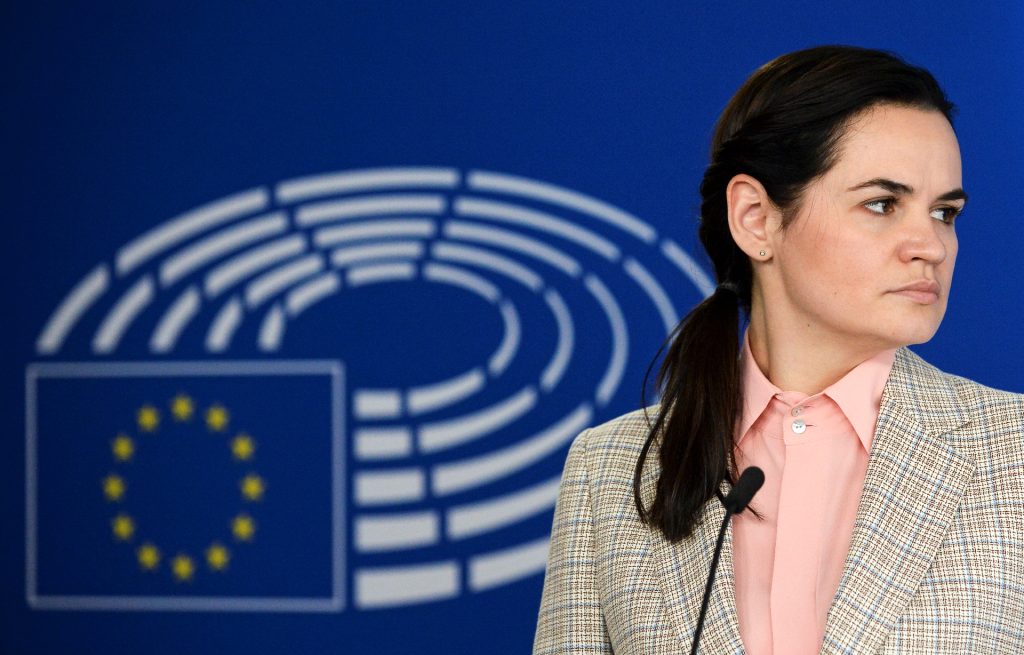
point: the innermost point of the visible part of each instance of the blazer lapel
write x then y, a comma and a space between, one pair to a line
914, 483
683, 569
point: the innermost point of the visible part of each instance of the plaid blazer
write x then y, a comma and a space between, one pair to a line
936, 561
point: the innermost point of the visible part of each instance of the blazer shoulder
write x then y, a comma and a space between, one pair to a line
616, 443
994, 426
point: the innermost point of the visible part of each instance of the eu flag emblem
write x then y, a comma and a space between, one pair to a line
188, 485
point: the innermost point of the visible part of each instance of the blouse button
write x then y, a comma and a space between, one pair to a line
799, 426
797, 411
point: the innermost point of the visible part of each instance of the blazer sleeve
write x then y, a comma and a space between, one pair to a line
570, 619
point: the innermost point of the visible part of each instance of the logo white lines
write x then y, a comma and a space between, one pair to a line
553, 264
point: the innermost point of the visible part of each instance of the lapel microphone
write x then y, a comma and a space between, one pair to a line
739, 497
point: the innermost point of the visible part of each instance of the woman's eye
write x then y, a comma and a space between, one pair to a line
946, 214
881, 206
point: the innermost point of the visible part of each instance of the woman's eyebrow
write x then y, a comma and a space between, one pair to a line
899, 188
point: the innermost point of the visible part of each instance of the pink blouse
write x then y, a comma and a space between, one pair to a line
814, 453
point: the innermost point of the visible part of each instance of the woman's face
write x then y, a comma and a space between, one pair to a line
881, 219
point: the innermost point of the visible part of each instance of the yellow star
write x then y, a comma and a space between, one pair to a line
183, 567
252, 487
148, 418
123, 447
181, 407
242, 447
123, 527
114, 487
243, 527
217, 556
148, 555
217, 418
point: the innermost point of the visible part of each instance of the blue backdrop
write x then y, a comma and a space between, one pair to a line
307, 302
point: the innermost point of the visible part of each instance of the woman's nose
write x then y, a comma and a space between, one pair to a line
922, 239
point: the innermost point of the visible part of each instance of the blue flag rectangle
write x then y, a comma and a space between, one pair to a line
185, 485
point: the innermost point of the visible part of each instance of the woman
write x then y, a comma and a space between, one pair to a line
890, 520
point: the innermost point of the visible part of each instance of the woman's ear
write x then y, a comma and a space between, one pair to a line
750, 216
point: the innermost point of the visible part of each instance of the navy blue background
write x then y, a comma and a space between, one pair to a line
117, 118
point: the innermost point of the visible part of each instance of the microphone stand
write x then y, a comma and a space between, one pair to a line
739, 497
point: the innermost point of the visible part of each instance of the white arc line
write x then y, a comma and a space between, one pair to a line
441, 435
120, 317
364, 180
489, 515
220, 243
272, 329
250, 262
174, 321
501, 211
521, 186
403, 585
362, 206
555, 369
654, 291
85, 293
224, 325
620, 339
423, 228
511, 241
688, 266
453, 477
483, 258
509, 345
494, 569
188, 224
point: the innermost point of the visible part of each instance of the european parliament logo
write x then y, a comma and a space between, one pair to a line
349, 390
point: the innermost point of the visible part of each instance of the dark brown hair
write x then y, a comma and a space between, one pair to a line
783, 127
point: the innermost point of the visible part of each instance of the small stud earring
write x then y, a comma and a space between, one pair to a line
762, 253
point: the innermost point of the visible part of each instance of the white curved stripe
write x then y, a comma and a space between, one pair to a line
476, 207
489, 260
654, 291
360, 206
452, 477
195, 256
512, 241
310, 293
477, 518
620, 339
390, 486
371, 274
377, 403
509, 345
251, 262
396, 531
224, 325
82, 296
175, 320
273, 282
396, 250
188, 224
403, 585
383, 443
688, 266
272, 329
364, 180
553, 372
453, 432
520, 186
504, 566
431, 397
378, 229
462, 278
120, 317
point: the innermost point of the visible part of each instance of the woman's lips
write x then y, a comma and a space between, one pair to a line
923, 297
